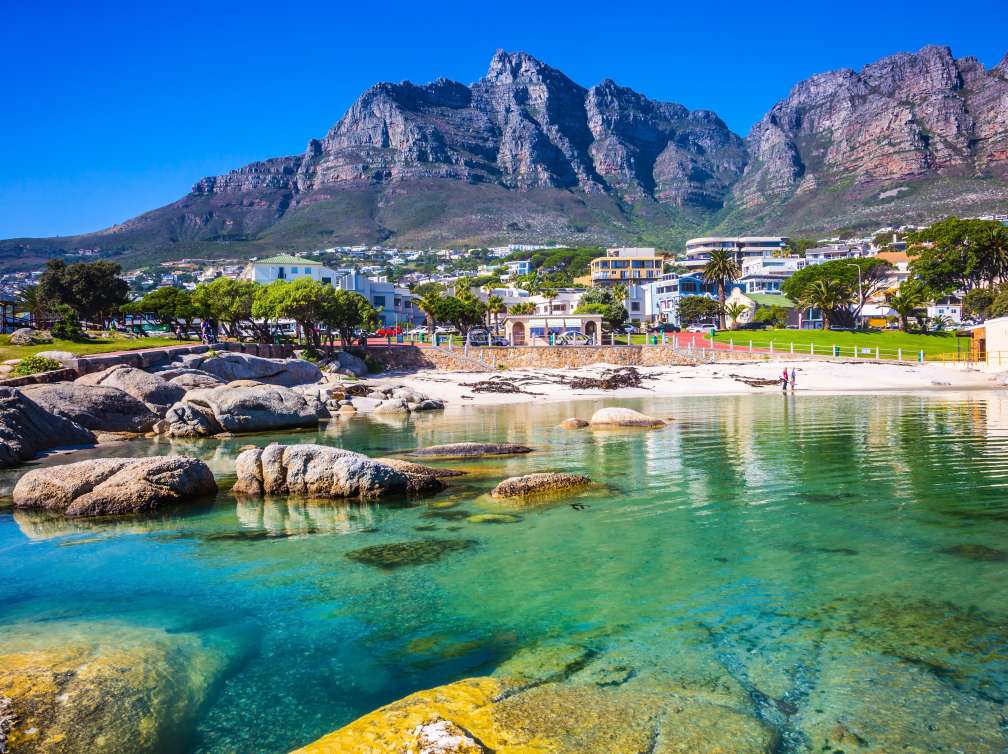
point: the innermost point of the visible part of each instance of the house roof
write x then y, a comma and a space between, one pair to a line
288, 259
770, 299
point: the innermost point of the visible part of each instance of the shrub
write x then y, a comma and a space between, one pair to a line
68, 327
35, 365
374, 366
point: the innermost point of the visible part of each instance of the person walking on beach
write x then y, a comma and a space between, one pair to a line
784, 380
793, 378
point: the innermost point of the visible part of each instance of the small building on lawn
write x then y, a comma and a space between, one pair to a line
990, 342
753, 302
536, 329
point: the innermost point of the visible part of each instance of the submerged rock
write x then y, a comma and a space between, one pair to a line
398, 554
617, 416
573, 423
114, 486
540, 484
980, 553
470, 450
493, 518
26, 429
103, 688
408, 467
95, 407
323, 471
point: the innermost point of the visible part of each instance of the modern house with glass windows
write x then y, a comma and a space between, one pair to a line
698, 250
626, 266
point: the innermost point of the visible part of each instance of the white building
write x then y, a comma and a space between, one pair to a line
661, 297
395, 304
698, 250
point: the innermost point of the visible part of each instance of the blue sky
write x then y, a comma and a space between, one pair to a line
111, 109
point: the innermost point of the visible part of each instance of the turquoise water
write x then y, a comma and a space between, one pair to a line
838, 558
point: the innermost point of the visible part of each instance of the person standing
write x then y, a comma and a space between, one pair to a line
793, 378
784, 380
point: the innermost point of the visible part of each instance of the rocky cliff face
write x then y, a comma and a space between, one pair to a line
525, 154
904, 118
523, 126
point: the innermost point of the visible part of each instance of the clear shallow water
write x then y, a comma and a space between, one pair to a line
840, 558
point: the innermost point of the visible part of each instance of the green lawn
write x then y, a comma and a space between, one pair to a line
97, 345
887, 341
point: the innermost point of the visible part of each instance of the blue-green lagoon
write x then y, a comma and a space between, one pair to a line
833, 567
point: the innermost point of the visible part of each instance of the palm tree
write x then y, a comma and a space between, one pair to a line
721, 269
735, 310
525, 307
31, 300
495, 305
463, 287
429, 304
826, 295
549, 293
907, 299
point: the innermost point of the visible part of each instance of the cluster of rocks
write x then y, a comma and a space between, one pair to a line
393, 399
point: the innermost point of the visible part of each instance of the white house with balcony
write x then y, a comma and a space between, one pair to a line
699, 250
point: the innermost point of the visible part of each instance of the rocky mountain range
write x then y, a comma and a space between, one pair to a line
525, 153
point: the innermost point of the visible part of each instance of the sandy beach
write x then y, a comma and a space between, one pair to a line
456, 388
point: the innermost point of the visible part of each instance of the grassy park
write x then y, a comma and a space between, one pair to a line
83, 348
888, 342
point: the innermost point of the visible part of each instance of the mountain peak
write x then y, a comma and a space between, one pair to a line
508, 67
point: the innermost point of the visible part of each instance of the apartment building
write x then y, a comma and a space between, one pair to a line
627, 265
698, 250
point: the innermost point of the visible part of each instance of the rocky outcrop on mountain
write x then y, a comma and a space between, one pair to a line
523, 126
903, 118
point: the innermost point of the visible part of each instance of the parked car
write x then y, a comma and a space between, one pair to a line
483, 338
665, 327
389, 332
702, 327
416, 332
571, 338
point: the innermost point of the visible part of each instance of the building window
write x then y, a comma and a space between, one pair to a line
293, 270
635, 306
281, 274
327, 281
379, 301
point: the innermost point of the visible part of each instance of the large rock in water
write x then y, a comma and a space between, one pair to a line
103, 687
470, 450
616, 416
243, 366
323, 471
152, 389
115, 486
26, 429
542, 483
251, 408
96, 407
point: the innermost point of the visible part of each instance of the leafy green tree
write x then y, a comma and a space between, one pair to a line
955, 254
422, 289
774, 316
168, 306
94, 290
694, 309
829, 296
999, 307
604, 301
345, 312
428, 303
800, 245
522, 308
67, 326
463, 312
978, 302
721, 270
874, 275
228, 301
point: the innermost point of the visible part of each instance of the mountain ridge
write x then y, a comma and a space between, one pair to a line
527, 154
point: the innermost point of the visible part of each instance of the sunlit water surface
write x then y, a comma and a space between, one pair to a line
816, 549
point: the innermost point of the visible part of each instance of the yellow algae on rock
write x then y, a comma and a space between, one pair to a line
101, 687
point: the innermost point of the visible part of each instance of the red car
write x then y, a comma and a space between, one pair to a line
389, 332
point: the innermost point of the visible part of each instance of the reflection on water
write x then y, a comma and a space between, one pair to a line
833, 567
